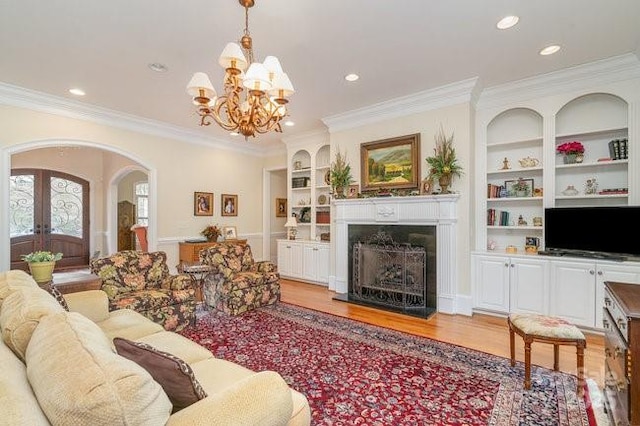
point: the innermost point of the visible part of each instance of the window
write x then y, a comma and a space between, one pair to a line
141, 190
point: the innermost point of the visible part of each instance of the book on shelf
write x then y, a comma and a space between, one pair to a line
504, 218
491, 217
618, 149
623, 149
495, 191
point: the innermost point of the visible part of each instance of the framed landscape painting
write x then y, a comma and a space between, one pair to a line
390, 163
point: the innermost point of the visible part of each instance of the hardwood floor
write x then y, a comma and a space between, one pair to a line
480, 332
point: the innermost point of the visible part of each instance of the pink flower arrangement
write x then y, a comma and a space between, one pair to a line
569, 148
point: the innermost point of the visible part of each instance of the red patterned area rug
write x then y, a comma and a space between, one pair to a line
354, 373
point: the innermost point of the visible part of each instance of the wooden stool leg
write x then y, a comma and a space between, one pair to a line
512, 346
556, 356
527, 364
581, 381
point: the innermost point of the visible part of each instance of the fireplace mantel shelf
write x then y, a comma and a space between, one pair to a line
436, 210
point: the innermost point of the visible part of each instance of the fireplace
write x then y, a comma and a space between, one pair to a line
422, 221
393, 268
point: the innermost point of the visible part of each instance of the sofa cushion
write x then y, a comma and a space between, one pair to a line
20, 314
178, 345
128, 324
79, 380
151, 299
19, 404
174, 375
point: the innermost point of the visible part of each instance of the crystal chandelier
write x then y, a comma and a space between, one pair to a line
262, 105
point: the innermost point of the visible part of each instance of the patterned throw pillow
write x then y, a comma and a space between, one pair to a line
59, 297
173, 374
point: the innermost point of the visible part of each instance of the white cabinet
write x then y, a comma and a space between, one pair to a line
304, 260
316, 262
506, 284
578, 288
290, 255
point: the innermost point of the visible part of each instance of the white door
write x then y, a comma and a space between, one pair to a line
529, 286
573, 291
491, 274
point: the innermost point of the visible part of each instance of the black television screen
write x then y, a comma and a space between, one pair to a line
608, 230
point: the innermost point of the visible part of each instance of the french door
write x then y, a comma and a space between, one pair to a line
49, 210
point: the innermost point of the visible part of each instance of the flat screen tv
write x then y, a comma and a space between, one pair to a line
596, 231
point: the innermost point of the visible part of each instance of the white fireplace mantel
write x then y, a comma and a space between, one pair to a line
431, 210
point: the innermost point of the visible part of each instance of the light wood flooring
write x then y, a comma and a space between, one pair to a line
484, 333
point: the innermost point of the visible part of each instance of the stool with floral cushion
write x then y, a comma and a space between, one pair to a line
236, 283
141, 281
546, 329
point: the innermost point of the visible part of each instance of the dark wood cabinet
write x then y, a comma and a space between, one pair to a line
190, 252
622, 347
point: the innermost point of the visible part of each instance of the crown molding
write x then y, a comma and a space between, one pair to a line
580, 77
311, 137
439, 97
30, 99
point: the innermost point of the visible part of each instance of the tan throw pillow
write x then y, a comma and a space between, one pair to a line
79, 380
174, 375
21, 313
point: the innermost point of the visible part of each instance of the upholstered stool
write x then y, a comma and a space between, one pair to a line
540, 328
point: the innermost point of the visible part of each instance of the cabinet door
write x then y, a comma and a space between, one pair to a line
491, 274
310, 262
284, 258
297, 259
323, 263
612, 272
529, 286
573, 291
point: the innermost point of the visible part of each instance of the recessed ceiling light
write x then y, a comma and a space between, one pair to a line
550, 50
289, 123
77, 92
234, 134
507, 22
158, 67
351, 77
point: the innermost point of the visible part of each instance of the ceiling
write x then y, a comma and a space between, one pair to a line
397, 47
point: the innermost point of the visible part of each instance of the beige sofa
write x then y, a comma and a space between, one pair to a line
59, 367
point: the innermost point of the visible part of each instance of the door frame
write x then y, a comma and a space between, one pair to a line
266, 209
109, 234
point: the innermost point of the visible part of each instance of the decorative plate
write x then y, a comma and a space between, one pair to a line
327, 177
322, 199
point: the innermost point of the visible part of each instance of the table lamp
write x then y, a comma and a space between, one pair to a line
291, 226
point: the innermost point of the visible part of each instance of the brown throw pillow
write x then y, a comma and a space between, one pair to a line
173, 374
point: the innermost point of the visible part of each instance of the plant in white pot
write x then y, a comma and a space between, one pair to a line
41, 265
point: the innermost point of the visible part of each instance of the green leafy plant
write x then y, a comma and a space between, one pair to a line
444, 161
41, 256
340, 172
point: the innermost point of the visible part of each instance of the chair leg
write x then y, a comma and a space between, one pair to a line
581, 381
556, 356
512, 346
527, 364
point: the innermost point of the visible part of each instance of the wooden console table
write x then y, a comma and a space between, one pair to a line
71, 282
190, 252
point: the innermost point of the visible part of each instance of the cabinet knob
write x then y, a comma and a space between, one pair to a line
607, 301
288, 246
506, 265
600, 273
592, 272
513, 266
621, 323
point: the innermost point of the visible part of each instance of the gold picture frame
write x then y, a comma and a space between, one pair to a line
229, 205
203, 203
392, 163
229, 233
281, 207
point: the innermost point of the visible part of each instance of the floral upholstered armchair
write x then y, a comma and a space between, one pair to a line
141, 281
236, 283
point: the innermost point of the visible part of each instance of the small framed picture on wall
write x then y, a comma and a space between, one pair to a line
203, 203
281, 207
229, 205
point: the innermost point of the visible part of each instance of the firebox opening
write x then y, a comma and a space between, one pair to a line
393, 267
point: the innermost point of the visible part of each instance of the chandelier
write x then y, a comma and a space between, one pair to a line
254, 99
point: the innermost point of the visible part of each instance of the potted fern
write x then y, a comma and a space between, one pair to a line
41, 265
340, 174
